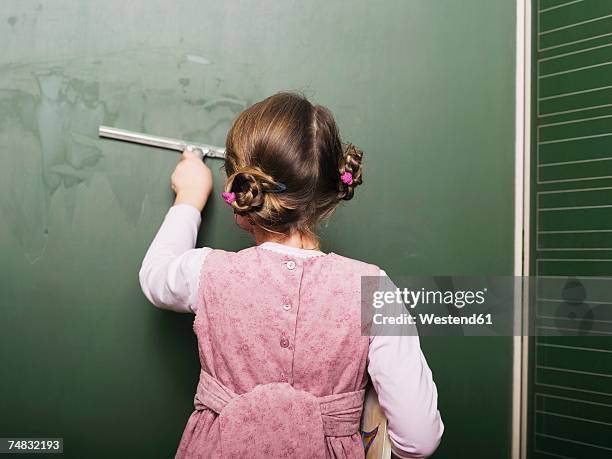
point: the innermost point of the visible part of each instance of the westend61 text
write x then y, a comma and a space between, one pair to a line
432, 319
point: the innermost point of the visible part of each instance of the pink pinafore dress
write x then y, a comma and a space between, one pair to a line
283, 357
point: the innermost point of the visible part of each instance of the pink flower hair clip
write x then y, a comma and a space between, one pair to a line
347, 178
229, 197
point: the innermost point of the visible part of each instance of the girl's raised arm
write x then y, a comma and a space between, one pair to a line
169, 274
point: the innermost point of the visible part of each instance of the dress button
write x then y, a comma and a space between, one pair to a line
286, 307
291, 265
284, 342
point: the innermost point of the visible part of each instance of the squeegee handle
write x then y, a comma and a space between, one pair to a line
201, 149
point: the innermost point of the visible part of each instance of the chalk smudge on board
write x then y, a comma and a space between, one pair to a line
49, 116
59, 118
197, 59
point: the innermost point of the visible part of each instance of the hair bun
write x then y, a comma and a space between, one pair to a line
351, 163
250, 185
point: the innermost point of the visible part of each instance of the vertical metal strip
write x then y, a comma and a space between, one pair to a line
521, 224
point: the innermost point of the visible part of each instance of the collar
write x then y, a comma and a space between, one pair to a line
288, 250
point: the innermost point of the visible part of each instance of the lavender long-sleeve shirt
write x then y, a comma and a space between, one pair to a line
407, 394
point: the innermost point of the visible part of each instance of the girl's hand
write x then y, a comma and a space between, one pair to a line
192, 181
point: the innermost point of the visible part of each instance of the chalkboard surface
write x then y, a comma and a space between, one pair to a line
425, 88
570, 393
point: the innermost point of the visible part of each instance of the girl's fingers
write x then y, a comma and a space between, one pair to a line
189, 154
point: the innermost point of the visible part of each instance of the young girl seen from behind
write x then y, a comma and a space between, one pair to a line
284, 362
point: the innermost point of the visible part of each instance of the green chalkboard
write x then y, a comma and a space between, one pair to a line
570, 390
425, 88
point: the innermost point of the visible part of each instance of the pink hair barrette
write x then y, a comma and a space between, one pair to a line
347, 178
229, 196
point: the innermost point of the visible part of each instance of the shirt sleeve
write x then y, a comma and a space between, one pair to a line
169, 275
406, 393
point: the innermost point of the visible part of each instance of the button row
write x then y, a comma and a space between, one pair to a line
284, 341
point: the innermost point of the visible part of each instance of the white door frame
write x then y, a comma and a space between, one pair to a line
520, 361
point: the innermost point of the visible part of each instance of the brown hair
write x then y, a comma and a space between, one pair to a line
284, 161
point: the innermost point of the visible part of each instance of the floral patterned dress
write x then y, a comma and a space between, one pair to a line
282, 354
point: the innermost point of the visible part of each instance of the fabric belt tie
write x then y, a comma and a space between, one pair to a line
340, 413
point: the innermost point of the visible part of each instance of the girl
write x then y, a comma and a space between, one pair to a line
284, 362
